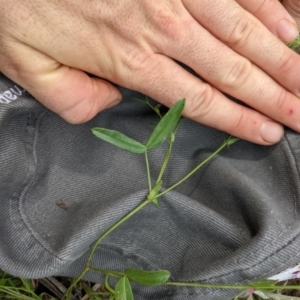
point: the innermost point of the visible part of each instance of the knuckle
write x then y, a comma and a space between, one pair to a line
201, 103
165, 21
169, 26
125, 65
79, 113
240, 32
238, 126
142, 69
136, 61
280, 102
285, 63
263, 6
237, 75
76, 110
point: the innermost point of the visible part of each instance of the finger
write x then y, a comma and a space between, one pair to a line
274, 17
246, 35
234, 75
161, 78
69, 92
293, 7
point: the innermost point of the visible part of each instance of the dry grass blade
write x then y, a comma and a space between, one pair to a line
53, 285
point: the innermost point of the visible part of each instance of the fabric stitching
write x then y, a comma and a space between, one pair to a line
25, 192
291, 179
297, 170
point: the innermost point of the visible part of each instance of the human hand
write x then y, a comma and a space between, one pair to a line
48, 47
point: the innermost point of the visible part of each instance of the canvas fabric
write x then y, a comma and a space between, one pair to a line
236, 219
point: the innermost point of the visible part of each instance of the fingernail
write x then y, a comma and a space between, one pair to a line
271, 132
287, 31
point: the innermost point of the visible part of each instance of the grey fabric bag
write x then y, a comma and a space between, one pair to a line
236, 219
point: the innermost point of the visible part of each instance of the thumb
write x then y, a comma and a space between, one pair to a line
69, 92
293, 7
75, 96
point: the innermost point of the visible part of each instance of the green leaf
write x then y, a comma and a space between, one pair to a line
148, 278
120, 140
231, 140
154, 193
156, 108
123, 289
155, 190
155, 202
295, 43
166, 125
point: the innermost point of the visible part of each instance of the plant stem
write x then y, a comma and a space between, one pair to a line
73, 284
113, 227
108, 272
108, 287
228, 286
165, 162
100, 239
224, 144
148, 172
168, 153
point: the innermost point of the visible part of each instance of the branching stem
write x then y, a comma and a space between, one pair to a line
194, 170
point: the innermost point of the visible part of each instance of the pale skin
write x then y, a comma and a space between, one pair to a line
236, 47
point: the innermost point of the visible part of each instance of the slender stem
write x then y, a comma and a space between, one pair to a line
237, 287
108, 287
100, 239
165, 162
148, 172
168, 153
207, 285
108, 272
112, 228
73, 284
195, 169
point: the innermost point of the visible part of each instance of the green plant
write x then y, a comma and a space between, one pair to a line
14, 288
293, 45
165, 129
